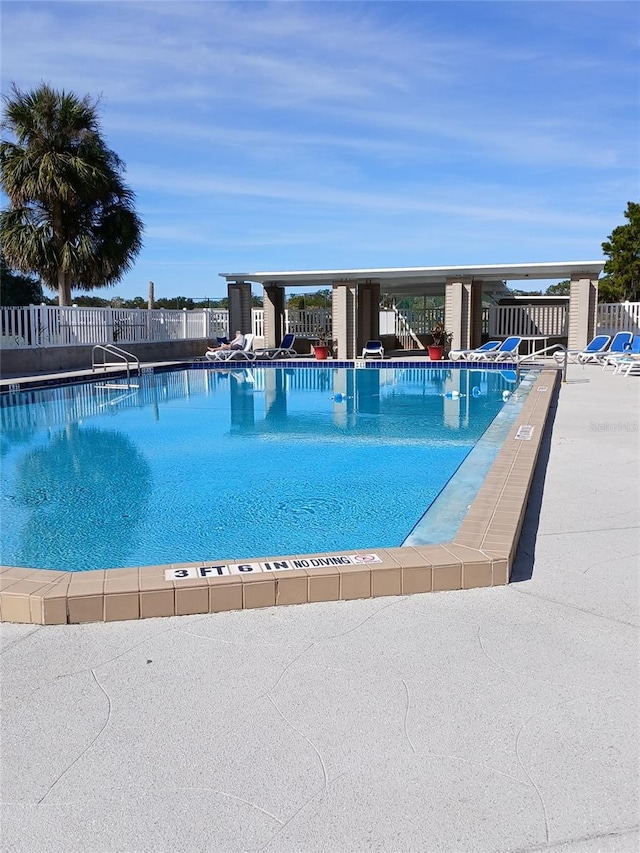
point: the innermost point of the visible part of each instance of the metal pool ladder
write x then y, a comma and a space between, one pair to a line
125, 357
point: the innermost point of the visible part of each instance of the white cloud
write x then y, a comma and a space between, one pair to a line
417, 197
311, 134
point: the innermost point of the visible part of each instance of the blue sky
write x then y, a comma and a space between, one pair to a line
314, 135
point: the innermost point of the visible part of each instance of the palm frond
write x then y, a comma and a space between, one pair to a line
71, 218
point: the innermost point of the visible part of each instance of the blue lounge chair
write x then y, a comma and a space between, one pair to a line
285, 350
620, 343
373, 348
468, 354
596, 345
507, 351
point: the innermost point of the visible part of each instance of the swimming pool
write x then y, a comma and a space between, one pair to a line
228, 464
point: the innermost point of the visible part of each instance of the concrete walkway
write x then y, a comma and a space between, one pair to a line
503, 719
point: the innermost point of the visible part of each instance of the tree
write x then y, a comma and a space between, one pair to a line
562, 288
16, 289
621, 281
318, 299
175, 303
91, 302
71, 217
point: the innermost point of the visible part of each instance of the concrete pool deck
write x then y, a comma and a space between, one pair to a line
497, 719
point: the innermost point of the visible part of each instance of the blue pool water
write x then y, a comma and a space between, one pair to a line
227, 465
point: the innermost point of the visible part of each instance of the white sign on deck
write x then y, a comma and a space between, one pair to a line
222, 569
525, 433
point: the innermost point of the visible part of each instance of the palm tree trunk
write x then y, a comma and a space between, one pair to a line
64, 289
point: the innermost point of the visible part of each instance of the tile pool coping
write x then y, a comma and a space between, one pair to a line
480, 554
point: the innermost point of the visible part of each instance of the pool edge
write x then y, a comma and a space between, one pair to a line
481, 554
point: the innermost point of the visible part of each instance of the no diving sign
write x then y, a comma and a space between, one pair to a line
222, 569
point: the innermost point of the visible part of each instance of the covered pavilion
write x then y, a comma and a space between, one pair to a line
356, 297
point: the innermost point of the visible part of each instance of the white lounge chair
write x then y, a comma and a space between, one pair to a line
285, 350
629, 365
373, 348
621, 361
244, 354
468, 354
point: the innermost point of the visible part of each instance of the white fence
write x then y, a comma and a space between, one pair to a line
422, 321
52, 326
408, 324
618, 317
307, 323
549, 320
552, 320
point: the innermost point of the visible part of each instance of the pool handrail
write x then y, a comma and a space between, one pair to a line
547, 350
118, 352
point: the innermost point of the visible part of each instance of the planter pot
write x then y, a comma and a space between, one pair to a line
321, 352
436, 353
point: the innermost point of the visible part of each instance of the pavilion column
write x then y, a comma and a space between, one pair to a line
463, 311
274, 316
343, 317
355, 315
583, 307
239, 293
368, 314
476, 312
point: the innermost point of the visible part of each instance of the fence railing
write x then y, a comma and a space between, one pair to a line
405, 333
549, 320
305, 323
309, 322
53, 326
618, 317
421, 321
410, 323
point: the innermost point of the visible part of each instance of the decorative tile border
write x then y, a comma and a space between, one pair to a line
480, 554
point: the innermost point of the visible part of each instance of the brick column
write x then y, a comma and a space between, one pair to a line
583, 306
343, 317
368, 314
273, 304
239, 293
463, 312
476, 312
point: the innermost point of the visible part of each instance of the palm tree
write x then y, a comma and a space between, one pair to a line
70, 218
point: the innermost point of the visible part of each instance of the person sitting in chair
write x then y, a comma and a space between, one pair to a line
236, 343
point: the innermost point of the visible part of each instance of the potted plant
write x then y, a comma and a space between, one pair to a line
440, 340
321, 349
